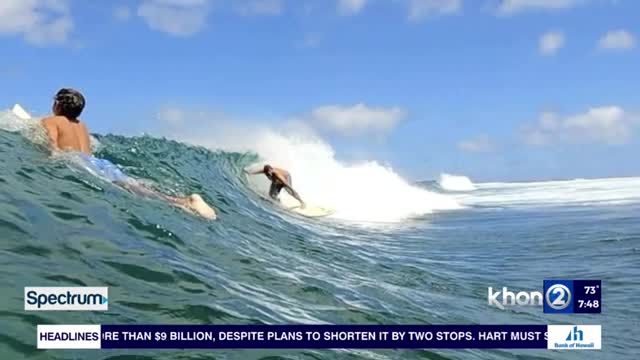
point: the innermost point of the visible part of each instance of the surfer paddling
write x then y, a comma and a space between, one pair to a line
67, 133
280, 179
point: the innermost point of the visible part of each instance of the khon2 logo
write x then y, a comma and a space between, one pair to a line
558, 297
66, 298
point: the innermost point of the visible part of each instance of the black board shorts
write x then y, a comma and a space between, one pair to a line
276, 187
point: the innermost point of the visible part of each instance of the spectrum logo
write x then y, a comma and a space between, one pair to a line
66, 298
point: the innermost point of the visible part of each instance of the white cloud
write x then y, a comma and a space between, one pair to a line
508, 7
617, 40
422, 9
357, 119
600, 125
175, 17
172, 116
41, 22
551, 42
122, 13
260, 7
481, 143
350, 7
345, 120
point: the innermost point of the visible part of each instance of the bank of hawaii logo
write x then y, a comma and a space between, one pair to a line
66, 298
574, 337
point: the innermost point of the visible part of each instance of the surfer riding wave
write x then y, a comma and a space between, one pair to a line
280, 179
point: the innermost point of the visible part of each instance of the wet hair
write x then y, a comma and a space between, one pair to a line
267, 169
68, 103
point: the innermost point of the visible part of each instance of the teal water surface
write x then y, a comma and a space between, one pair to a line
60, 226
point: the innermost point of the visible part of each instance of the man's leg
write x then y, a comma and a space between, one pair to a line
288, 189
140, 189
192, 203
274, 191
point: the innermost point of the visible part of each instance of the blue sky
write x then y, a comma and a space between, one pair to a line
493, 89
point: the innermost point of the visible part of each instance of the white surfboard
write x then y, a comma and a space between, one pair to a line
309, 210
20, 112
312, 211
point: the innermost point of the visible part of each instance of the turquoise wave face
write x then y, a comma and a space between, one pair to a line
61, 226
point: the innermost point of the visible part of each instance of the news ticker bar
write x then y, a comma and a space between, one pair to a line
319, 337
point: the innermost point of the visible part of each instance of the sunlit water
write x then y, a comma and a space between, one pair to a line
60, 226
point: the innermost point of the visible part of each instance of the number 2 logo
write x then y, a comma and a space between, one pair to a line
558, 297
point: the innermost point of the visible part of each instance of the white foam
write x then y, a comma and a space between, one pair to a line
455, 182
20, 112
608, 191
15, 120
364, 191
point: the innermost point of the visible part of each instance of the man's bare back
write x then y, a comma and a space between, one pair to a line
67, 134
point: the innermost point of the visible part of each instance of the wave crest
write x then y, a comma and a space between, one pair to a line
455, 183
365, 191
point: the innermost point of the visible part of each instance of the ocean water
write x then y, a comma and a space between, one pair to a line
409, 262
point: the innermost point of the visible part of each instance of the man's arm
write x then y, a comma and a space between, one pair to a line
52, 132
254, 172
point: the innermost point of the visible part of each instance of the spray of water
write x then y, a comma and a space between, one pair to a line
455, 183
364, 191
